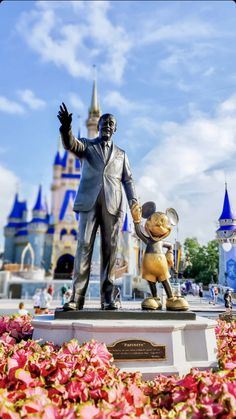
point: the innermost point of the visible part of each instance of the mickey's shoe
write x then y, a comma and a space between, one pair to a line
176, 304
151, 303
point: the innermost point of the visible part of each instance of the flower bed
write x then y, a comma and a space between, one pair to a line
15, 328
81, 381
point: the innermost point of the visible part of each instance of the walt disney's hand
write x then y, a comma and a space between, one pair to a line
64, 117
136, 212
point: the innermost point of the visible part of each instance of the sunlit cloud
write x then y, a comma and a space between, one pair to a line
182, 169
61, 34
116, 100
9, 106
180, 31
29, 98
76, 102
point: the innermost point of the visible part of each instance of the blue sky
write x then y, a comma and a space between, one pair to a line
167, 70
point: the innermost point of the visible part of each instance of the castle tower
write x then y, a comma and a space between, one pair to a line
94, 113
60, 244
37, 228
226, 236
15, 231
57, 170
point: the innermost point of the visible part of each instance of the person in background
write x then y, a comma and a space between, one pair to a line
200, 293
196, 290
228, 301
36, 301
45, 301
22, 311
63, 292
50, 290
216, 293
67, 295
212, 294
117, 295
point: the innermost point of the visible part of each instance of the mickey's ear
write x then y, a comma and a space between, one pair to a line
148, 209
173, 216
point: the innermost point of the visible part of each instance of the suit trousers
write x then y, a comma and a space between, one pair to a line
109, 228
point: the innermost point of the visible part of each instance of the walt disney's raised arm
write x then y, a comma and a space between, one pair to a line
68, 140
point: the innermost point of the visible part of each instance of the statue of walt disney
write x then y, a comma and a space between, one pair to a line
105, 169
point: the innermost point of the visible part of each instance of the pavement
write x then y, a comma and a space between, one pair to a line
199, 305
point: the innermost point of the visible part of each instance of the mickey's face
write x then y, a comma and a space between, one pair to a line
158, 225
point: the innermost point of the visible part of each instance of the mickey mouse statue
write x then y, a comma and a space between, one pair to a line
156, 263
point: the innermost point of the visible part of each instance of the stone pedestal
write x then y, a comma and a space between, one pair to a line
152, 346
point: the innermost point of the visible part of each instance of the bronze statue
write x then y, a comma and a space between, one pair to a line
156, 263
105, 169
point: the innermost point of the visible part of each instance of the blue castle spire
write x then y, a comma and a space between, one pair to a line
19, 209
15, 209
57, 160
227, 213
64, 159
126, 227
39, 205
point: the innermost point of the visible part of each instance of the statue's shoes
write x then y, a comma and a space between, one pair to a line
151, 303
176, 304
109, 306
72, 306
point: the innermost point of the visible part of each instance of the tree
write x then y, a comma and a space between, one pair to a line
203, 261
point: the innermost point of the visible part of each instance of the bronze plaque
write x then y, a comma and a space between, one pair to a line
137, 349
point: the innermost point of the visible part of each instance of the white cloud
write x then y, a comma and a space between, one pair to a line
228, 106
10, 106
184, 170
181, 31
76, 102
147, 124
8, 186
116, 100
190, 58
28, 97
72, 35
209, 72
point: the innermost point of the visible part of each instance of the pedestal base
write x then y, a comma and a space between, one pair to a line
132, 315
151, 346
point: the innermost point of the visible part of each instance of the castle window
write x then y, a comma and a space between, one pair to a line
63, 232
74, 233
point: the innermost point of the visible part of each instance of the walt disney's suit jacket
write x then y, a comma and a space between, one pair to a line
98, 173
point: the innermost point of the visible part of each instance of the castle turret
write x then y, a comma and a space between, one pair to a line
94, 113
38, 227
15, 231
226, 236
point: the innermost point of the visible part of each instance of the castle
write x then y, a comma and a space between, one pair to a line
51, 236
226, 236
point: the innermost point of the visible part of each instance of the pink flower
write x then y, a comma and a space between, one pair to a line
71, 347
99, 355
3, 323
24, 376
77, 391
27, 329
88, 411
5, 337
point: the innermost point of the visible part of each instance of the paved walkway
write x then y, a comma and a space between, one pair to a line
200, 306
